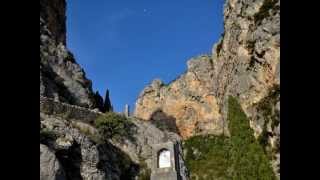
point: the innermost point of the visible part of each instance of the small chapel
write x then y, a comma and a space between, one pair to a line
165, 162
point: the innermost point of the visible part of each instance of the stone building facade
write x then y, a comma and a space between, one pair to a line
165, 162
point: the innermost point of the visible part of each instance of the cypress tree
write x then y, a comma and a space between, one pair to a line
107, 103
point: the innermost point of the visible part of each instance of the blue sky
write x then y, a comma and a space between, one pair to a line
123, 44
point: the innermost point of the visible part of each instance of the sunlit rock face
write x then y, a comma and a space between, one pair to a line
245, 63
188, 100
248, 67
50, 167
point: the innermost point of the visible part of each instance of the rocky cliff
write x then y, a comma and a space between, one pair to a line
245, 63
188, 101
71, 146
60, 76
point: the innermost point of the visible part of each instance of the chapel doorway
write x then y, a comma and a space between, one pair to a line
164, 159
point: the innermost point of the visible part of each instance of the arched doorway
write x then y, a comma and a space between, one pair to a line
164, 159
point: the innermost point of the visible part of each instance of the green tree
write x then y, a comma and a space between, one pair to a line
238, 157
247, 156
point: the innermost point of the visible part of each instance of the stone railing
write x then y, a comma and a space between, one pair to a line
67, 111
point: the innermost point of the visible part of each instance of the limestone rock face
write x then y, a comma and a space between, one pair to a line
248, 67
69, 145
144, 136
245, 63
50, 167
53, 13
248, 56
79, 156
60, 76
188, 101
75, 154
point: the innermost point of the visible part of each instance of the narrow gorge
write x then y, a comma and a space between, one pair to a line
218, 120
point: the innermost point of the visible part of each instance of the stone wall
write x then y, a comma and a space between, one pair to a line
67, 111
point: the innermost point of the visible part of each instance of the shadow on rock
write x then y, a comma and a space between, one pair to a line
54, 83
70, 160
164, 122
114, 162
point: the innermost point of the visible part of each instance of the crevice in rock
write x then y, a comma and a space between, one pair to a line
70, 160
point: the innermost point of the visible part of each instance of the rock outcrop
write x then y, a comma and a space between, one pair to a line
188, 101
53, 13
144, 136
50, 167
60, 76
70, 145
245, 63
79, 156
71, 148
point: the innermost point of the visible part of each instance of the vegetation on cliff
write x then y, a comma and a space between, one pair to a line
239, 156
267, 108
111, 125
207, 156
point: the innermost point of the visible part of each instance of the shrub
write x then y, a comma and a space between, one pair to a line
207, 156
112, 125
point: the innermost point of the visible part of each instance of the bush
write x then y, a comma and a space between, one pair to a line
247, 156
207, 156
112, 125
238, 157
